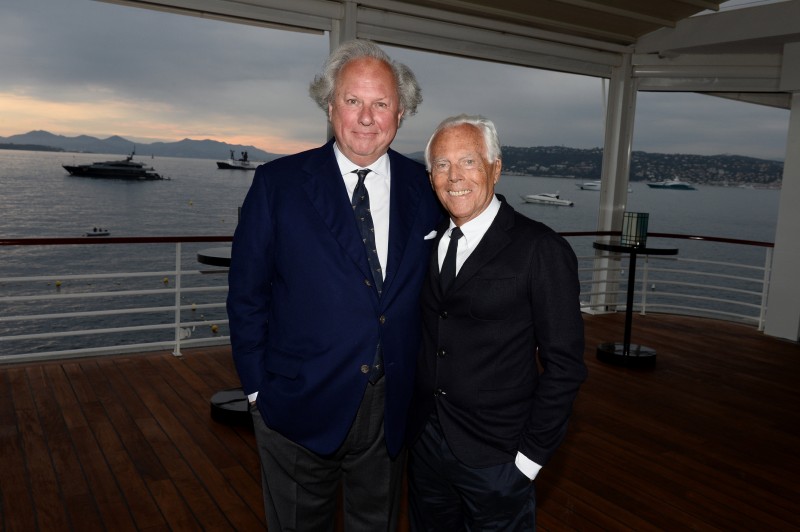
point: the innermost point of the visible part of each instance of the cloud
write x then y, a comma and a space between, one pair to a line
81, 66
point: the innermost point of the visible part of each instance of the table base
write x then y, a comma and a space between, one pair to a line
231, 408
638, 356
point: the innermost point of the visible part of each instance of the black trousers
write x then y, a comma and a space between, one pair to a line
447, 495
300, 487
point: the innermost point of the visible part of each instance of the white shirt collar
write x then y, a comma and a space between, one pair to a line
346, 166
475, 229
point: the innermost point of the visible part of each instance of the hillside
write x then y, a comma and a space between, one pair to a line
201, 149
544, 161
586, 164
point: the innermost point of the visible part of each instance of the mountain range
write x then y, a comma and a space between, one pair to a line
199, 149
543, 161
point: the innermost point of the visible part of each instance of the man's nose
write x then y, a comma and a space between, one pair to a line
365, 118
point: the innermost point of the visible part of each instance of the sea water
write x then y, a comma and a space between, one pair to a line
39, 199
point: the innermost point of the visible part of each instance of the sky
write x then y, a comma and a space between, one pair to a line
81, 67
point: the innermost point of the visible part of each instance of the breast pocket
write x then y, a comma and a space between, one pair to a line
492, 298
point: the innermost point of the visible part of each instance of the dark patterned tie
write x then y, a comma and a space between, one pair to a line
360, 204
361, 210
448, 271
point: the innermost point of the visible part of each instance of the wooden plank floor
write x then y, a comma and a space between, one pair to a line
708, 440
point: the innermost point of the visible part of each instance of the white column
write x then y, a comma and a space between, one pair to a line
783, 302
620, 113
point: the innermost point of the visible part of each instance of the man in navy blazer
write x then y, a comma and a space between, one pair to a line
502, 355
324, 342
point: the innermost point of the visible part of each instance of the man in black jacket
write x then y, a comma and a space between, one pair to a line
502, 355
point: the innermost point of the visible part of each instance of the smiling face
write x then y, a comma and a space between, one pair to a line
365, 111
461, 175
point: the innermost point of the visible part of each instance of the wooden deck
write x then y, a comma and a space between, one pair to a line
708, 440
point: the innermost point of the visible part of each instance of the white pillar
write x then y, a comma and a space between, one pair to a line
620, 113
783, 302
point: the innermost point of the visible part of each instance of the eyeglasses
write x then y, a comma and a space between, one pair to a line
467, 164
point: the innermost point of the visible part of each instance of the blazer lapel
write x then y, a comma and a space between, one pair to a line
494, 241
404, 202
327, 193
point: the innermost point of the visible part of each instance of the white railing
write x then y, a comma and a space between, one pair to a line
71, 303
59, 314
690, 283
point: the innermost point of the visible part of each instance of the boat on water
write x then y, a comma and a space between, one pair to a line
127, 169
242, 163
97, 231
593, 185
674, 183
589, 185
547, 198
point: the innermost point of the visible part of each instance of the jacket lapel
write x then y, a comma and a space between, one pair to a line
326, 192
492, 243
404, 203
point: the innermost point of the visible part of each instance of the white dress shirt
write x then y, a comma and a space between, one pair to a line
378, 183
473, 232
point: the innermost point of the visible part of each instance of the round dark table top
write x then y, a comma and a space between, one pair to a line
220, 256
618, 248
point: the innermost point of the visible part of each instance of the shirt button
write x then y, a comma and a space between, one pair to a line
364, 369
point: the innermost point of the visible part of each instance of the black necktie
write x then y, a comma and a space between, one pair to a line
360, 202
448, 272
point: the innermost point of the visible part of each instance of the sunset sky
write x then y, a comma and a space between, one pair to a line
76, 67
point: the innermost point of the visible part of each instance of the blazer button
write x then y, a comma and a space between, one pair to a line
364, 369
441, 353
439, 392
382, 319
367, 282
443, 315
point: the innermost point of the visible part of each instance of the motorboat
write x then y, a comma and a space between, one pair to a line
127, 169
97, 231
674, 183
547, 198
594, 185
589, 185
242, 163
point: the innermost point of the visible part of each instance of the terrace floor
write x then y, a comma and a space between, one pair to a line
707, 440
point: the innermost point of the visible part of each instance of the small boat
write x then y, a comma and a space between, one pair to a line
547, 198
242, 163
589, 185
594, 185
674, 183
97, 231
127, 169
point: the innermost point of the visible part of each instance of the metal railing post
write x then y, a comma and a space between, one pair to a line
643, 297
765, 289
177, 350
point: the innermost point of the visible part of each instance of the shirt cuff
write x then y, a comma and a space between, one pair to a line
528, 467
252, 397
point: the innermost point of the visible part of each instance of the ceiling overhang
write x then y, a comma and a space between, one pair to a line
737, 54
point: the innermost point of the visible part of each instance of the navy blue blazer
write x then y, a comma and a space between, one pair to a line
502, 356
304, 314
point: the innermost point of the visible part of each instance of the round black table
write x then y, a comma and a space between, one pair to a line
219, 256
624, 353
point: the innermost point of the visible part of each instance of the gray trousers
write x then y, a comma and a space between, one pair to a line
301, 487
